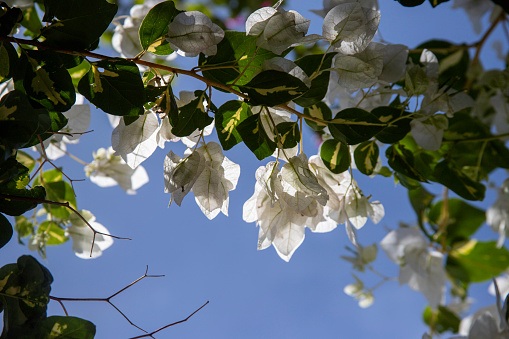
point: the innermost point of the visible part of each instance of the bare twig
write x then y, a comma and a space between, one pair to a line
108, 299
172, 324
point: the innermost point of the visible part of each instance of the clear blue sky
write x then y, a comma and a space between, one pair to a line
253, 294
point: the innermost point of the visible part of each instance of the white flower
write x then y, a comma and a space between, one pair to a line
191, 33
109, 170
350, 27
83, 236
277, 30
138, 140
497, 216
360, 70
206, 172
357, 291
421, 267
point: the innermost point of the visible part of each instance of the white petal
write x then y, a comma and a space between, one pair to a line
137, 141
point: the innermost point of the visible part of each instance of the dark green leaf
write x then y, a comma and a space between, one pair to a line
411, 3
458, 182
397, 130
117, 90
335, 155
502, 3
9, 18
20, 122
443, 320
312, 64
46, 80
58, 327
272, 88
24, 294
366, 157
403, 161
477, 261
289, 134
155, 25
5, 231
237, 57
228, 117
320, 110
354, 125
254, 136
79, 24
463, 219
191, 116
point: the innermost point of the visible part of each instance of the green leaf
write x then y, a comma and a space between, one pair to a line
442, 319
397, 130
155, 26
53, 234
24, 227
462, 222
289, 134
366, 157
335, 155
228, 117
477, 261
354, 125
272, 88
16, 188
5, 231
312, 65
320, 110
57, 190
254, 136
31, 22
8, 60
191, 116
403, 161
79, 24
117, 90
458, 182
237, 59
59, 327
26, 160
24, 294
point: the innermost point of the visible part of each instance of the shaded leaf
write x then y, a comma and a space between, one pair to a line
458, 182
117, 90
5, 231
366, 157
354, 125
253, 134
155, 26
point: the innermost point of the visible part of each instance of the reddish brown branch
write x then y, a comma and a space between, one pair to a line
108, 299
172, 324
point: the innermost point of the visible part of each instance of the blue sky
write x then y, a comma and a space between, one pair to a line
252, 294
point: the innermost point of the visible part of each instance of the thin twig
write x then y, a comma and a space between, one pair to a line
108, 299
172, 324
